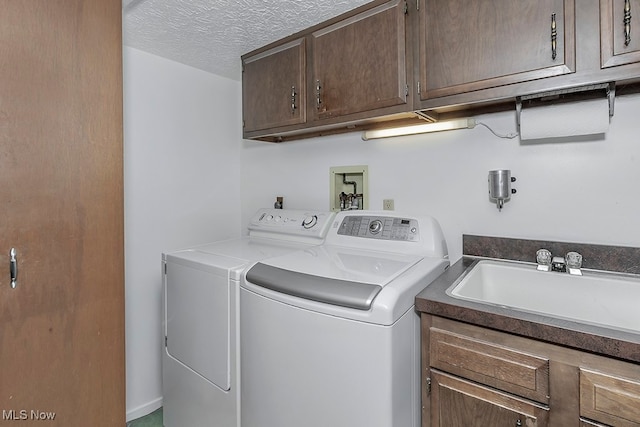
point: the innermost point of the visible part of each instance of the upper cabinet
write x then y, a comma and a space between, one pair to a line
337, 75
466, 46
359, 63
620, 32
274, 87
394, 62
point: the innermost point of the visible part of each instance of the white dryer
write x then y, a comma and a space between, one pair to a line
329, 334
200, 364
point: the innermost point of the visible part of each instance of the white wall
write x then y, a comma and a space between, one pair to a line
182, 132
582, 191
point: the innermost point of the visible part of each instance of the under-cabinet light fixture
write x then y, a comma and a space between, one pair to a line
417, 129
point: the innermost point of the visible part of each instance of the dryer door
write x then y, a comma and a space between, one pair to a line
197, 314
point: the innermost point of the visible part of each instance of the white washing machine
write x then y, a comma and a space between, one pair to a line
329, 334
200, 364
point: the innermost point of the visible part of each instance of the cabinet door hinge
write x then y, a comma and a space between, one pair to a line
406, 8
428, 385
406, 91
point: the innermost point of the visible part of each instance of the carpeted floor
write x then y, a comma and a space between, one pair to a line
154, 419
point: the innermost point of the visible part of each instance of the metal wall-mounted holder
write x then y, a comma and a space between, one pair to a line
567, 95
500, 189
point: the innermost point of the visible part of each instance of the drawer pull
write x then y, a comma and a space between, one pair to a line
13, 268
318, 98
627, 22
293, 99
554, 37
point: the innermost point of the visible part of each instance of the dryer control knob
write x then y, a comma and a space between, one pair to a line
309, 221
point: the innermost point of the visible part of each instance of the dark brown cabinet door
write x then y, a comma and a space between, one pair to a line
358, 64
471, 45
61, 185
273, 87
459, 403
619, 32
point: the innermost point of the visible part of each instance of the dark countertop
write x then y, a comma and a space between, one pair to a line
595, 339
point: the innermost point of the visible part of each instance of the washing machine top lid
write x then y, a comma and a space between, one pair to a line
343, 276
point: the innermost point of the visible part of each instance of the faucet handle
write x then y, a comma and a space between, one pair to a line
574, 261
543, 258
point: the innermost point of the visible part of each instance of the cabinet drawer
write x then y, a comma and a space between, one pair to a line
609, 399
461, 402
497, 366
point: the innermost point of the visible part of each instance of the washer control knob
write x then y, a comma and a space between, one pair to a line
309, 221
375, 226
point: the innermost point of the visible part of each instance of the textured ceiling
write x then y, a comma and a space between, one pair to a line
213, 34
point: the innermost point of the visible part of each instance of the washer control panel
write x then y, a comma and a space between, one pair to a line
380, 227
290, 222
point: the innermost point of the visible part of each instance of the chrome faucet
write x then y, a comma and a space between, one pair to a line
571, 263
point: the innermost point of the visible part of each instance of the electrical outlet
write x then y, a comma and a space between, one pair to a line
387, 204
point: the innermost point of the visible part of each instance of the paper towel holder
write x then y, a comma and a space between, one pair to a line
567, 95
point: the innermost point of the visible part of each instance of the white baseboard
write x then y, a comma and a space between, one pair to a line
143, 410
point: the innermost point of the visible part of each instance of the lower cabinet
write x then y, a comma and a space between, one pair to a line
475, 376
456, 402
609, 398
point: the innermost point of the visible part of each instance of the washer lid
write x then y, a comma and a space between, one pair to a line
332, 274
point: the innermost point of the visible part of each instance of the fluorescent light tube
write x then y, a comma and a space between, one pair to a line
425, 128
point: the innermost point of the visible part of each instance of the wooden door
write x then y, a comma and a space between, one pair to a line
619, 45
359, 63
466, 46
273, 87
62, 327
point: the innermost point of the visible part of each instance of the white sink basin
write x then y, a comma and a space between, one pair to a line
603, 299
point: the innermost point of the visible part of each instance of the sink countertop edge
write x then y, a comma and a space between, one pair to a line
595, 339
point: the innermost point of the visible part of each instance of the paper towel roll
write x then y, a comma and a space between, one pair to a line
568, 119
